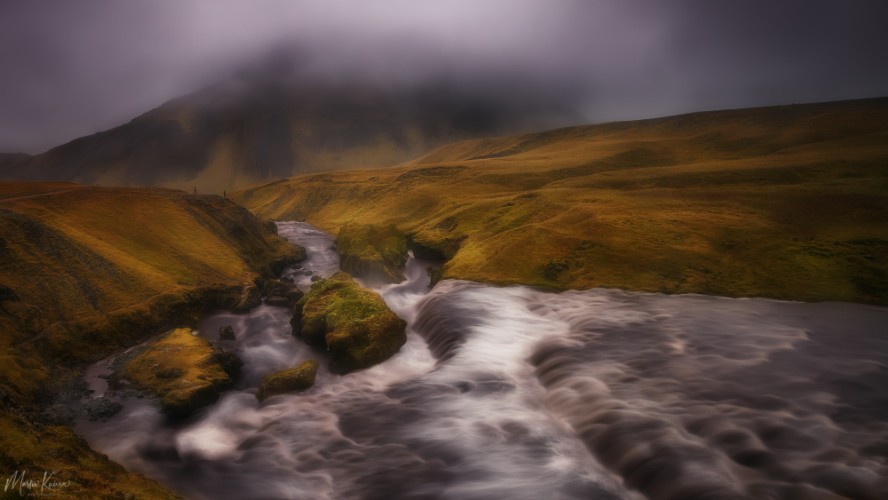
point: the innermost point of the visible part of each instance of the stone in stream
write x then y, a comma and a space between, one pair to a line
280, 293
226, 333
184, 371
250, 297
352, 324
296, 379
101, 408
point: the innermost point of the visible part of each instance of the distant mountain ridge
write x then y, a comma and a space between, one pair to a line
251, 130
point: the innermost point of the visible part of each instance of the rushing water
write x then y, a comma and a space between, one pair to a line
512, 392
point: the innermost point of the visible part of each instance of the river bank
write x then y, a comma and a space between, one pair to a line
513, 392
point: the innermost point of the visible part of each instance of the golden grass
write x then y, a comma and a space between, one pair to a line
86, 271
56, 449
177, 369
786, 202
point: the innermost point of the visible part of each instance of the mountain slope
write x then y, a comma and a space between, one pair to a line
251, 130
86, 271
785, 202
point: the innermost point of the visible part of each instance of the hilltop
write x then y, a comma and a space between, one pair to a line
87, 271
786, 202
253, 129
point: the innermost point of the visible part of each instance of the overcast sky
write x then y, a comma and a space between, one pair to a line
70, 68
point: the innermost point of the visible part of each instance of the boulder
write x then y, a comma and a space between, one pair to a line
353, 324
101, 408
226, 333
270, 226
296, 379
281, 293
229, 362
184, 371
250, 297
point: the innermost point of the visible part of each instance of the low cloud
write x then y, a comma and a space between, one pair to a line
74, 68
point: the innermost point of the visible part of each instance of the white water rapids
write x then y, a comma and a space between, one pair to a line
512, 392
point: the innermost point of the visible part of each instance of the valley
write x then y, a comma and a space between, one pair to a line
566, 301
787, 202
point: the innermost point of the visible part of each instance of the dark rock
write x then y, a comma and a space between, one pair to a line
229, 361
296, 319
59, 415
439, 251
281, 293
226, 333
275, 287
7, 294
270, 226
277, 300
298, 378
250, 297
554, 268
101, 408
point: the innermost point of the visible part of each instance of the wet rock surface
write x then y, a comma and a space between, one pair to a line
296, 379
226, 333
353, 324
184, 371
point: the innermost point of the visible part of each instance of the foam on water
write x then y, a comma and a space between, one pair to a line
518, 393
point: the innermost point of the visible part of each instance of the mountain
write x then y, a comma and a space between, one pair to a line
8, 159
784, 202
254, 129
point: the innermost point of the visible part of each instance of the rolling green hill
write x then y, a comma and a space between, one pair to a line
786, 202
87, 271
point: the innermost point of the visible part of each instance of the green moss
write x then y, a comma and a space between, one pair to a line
352, 323
181, 369
295, 379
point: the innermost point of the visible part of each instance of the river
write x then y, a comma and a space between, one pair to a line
514, 392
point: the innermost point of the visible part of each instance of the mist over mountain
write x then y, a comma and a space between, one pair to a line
278, 118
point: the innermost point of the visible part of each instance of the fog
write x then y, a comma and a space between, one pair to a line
75, 68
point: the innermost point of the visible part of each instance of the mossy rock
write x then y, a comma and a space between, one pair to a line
295, 379
373, 253
183, 370
353, 324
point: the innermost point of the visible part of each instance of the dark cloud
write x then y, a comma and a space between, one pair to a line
74, 68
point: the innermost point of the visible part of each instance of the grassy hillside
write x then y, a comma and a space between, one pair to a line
786, 202
90, 270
